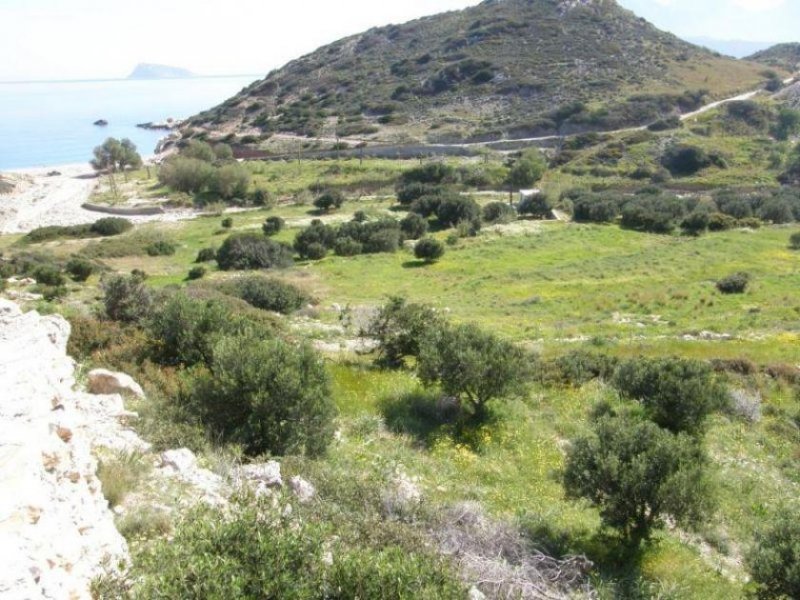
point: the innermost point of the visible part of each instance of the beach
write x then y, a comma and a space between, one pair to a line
45, 196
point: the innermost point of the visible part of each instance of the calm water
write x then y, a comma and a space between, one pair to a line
45, 124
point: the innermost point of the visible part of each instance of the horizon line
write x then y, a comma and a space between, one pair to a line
109, 79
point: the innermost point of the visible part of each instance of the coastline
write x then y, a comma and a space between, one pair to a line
41, 200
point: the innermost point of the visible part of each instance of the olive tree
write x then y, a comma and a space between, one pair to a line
774, 560
637, 474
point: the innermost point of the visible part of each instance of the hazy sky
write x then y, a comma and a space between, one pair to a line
74, 39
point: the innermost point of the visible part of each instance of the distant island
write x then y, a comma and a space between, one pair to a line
150, 71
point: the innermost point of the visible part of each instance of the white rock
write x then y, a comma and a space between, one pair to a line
304, 490
268, 473
475, 594
8, 309
102, 381
182, 460
402, 496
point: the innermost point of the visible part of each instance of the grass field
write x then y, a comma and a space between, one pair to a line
553, 287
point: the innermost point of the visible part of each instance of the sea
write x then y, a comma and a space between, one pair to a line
51, 123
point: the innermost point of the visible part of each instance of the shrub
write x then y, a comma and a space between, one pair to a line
126, 299
262, 197
591, 208
109, 226
189, 175
270, 294
267, 395
578, 368
347, 246
472, 365
184, 330
332, 199
676, 394
196, 273
720, 222
734, 284
383, 240
413, 226
252, 251
49, 275
206, 255
360, 216
637, 474
315, 251
536, 205
429, 250
695, 223
239, 554
162, 248
455, 209
227, 223
527, 170
774, 560
794, 241
776, 211
684, 159
273, 226
230, 181
120, 474
308, 242
79, 268
198, 150
399, 328
499, 212
408, 192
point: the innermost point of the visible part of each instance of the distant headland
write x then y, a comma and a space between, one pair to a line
151, 71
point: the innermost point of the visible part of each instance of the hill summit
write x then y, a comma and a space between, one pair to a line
501, 69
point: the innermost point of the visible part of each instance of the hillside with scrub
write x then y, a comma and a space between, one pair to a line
500, 70
587, 391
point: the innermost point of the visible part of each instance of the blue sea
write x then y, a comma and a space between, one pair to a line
51, 123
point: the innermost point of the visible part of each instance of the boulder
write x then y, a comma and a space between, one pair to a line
268, 473
101, 381
182, 460
304, 490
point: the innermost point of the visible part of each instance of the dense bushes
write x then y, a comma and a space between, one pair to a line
80, 269
536, 205
252, 251
454, 210
413, 226
499, 212
684, 159
273, 226
269, 294
206, 255
109, 226
774, 560
126, 299
676, 394
105, 227
188, 173
318, 239
329, 200
637, 474
399, 328
266, 395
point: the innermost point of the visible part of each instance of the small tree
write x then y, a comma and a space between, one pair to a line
473, 365
252, 251
637, 474
273, 226
677, 394
429, 250
734, 284
794, 241
126, 299
774, 560
267, 395
457, 209
696, 222
113, 156
332, 199
499, 212
536, 205
525, 172
414, 226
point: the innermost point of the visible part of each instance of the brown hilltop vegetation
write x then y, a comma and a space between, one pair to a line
502, 69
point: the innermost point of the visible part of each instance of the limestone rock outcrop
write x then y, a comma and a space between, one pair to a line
56, 531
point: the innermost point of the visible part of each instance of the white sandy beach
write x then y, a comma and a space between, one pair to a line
39, 200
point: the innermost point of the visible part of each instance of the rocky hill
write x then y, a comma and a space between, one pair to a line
504, 68
781, 56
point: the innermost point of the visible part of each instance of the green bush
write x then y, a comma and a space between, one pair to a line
721, 222
270, 294
162, 248
273, 226
734, 284
794, 241
473, 365
109, 226
230, 181
429, 250
527, 169
774, 560
252, 251
776, 210
198, 150
315, 251
308, 242
382, 240
206, 255
499, 212
696, 222
227, 223
455, 209
399, 328
242, 555
188, 175
184, 330
196, 273
332, 199
676, 394
577, 368
126, 299
684, 159
637, 474
262, 197
79, 268
266, 395
50, 275
413, 226
536, 205
347, 246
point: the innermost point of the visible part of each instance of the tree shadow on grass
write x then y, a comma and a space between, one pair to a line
415, 264
427, 416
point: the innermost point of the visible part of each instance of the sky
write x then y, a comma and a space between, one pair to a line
91, 39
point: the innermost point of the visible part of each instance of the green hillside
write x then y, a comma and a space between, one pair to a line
781, 56
510, 69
